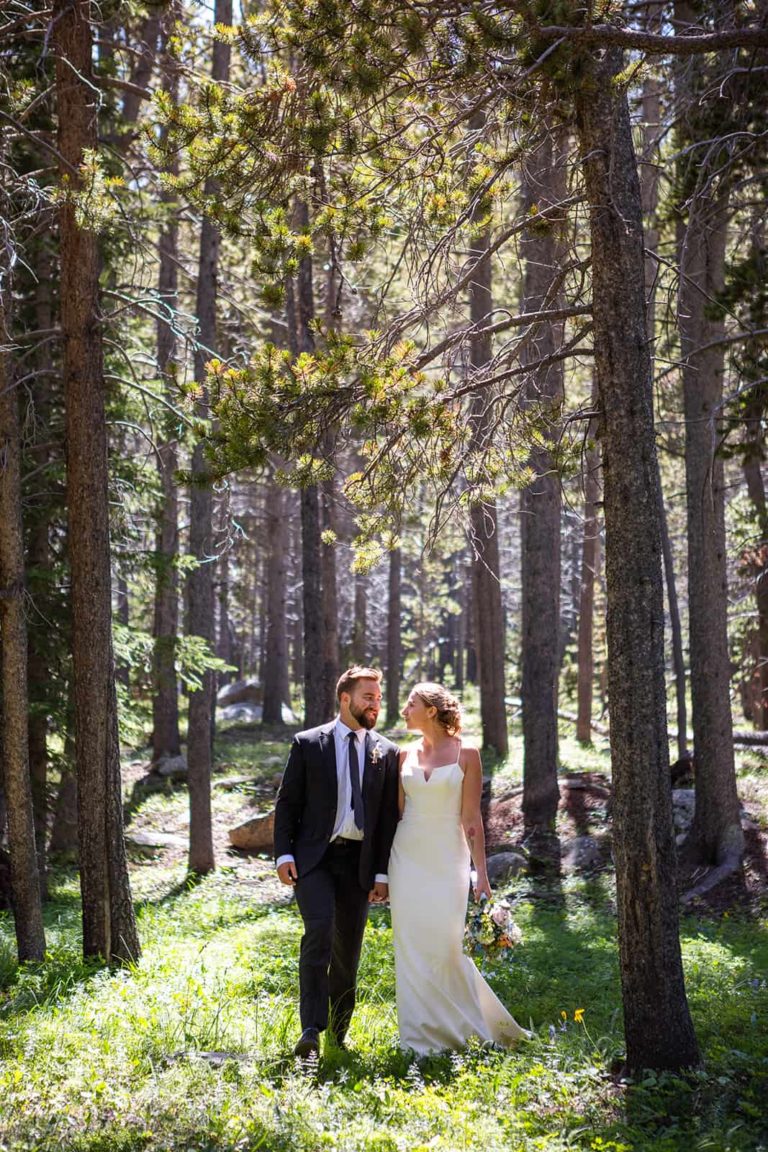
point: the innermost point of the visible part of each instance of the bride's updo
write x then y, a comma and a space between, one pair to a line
448, 708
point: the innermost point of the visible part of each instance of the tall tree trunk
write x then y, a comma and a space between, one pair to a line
109, 925
649, 193
394, 641
301, 310
716, 837
486, 583
540, 505
17, 785
753, 457
39, 558
166, 740
330, 636
590, 562
360, 627
276, 680
657, 1022
200, 593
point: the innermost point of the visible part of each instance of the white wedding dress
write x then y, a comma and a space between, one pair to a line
442, 1000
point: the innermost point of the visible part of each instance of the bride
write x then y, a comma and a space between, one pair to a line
442, 1000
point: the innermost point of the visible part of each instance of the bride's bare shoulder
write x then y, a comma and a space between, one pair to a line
469, 759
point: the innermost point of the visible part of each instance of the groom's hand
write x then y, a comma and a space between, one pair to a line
379, 893
287, 873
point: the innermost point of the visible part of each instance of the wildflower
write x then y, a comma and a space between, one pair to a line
578, 1016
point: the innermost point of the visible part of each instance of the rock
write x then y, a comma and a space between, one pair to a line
243, 713
581, 854
254, 835
174, 767
148, 839
288, 715
683, 807
239, 692
504, 865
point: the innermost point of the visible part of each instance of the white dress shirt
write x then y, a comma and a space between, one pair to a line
344, 824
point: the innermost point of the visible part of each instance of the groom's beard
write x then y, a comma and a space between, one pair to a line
366, 717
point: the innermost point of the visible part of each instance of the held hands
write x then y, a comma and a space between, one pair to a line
287, 873
379, 893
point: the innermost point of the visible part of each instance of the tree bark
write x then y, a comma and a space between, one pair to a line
17, 785
276, 678
166, 740
39, 559
716, 834
484, 526
330, 635
200, 591
301, 316
590, 562
394, 642
657, 1023
359, 629
649, 192
109, 925
540, 505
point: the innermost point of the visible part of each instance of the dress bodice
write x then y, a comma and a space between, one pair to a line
435, 797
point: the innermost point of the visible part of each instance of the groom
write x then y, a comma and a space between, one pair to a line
335, 818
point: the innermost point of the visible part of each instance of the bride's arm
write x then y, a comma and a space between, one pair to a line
471, 817
400, 790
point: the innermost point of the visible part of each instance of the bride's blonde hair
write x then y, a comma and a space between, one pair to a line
448, 708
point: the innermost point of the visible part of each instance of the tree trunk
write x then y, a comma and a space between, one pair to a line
166, 740
650, 171
716, 836
360, 626
39, 558
200, 592
17, 786
657, 1023
330, 636
109, 925
301, 315
394, 641
484, 527
540, 506
276, 680
590, 562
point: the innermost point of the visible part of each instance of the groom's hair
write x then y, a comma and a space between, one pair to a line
348, 679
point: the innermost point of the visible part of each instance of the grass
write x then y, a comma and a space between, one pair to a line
94, 1060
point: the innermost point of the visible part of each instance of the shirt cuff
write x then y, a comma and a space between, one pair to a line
381, 878
284, 860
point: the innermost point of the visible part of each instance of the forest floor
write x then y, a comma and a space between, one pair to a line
189, 1048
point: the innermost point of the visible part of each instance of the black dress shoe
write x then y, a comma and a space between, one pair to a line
308, 1044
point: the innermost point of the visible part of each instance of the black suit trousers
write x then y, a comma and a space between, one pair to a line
334, 908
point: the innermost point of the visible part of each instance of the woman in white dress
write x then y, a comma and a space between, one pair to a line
442, 1000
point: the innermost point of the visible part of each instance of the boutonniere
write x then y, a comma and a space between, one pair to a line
376, 753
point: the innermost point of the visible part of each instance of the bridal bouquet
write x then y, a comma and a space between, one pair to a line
491, 929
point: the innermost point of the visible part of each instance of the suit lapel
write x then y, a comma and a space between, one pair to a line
328, 756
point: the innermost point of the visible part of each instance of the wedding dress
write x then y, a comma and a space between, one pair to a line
442, 1000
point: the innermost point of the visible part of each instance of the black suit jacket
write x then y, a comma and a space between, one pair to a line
305, 811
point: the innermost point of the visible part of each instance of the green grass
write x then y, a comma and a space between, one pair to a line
93, 1060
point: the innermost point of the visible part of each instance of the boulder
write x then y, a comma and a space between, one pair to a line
504, 865
582, 854
254, 835
173, 767
242, 713
239, 692
145, 838
683, 807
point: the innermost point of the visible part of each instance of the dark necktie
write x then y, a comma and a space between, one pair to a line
354, 779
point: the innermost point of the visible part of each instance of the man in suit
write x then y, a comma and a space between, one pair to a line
335, 818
